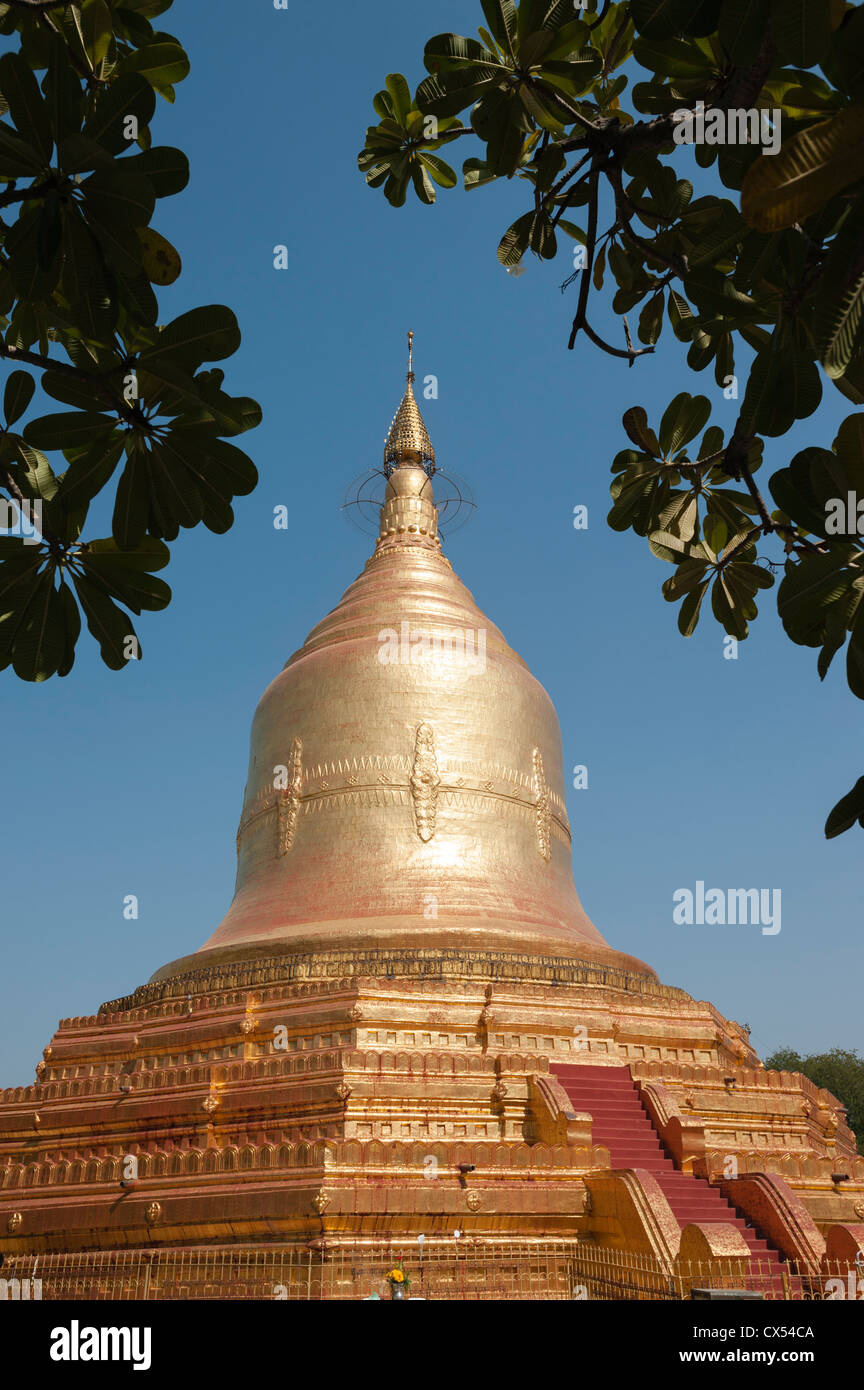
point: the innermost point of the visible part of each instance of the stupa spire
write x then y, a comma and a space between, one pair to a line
408, 440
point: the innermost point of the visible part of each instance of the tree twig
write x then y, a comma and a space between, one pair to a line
22, 195
585, 282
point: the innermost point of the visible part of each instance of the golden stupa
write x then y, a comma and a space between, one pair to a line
405, 783
406, 1029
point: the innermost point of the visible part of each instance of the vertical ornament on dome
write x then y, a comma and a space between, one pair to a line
425, 781
541, 806
289, 803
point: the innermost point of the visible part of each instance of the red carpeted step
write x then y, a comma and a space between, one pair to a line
622, 1125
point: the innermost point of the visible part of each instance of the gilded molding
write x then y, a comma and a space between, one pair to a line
389, 962
425, 782
543, 813
289, 803
389, 780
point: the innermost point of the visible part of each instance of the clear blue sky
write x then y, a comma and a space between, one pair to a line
699, 768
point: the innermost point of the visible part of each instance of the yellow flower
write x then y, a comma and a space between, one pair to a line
397, 1276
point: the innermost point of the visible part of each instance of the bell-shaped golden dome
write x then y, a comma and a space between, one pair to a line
406, 784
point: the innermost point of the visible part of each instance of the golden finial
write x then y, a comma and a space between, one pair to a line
408, 440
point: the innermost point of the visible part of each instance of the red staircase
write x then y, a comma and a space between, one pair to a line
623, 1126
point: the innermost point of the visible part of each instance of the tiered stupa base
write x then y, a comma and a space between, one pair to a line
355, 1098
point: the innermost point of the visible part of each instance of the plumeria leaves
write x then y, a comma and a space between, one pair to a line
143, 412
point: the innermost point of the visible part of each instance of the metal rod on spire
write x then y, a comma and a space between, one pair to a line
410, 355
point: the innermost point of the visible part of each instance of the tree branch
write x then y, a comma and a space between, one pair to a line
21, 195
35, 359
602, 15
630, 353
737, 466
585, 282
98, 380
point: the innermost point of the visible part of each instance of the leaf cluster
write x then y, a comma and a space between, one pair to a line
145, 413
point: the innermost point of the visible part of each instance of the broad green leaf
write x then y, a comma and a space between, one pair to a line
855, 660
96, 29
18, 157
728, 609
792, 490
682, 420
132, 585
162, 64
655, 18
439, 170
801, 30
847, 54
40, 639
161, 262
201, 335
83, 277
680, 316
840, 305
651, 319
19, 578
129, 95
215, 463
848, 811
150, 555
90, 470
476, 173
17, 395
119, 246
451, 52
68, 429
810, 167
111, 627
26, 105
84, 394
809, 589
78, 155
63, 96
38, 472
742, 29
514, 242
697, 18
70, 622
783, 386
851, 383
116, 195
502, 18
688, 614
452, 92
423, 185
635, 421
167, 169
400, 95
849, 445
132, 501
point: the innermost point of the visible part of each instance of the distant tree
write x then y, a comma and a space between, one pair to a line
778, 268
840, 1072
78, 262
